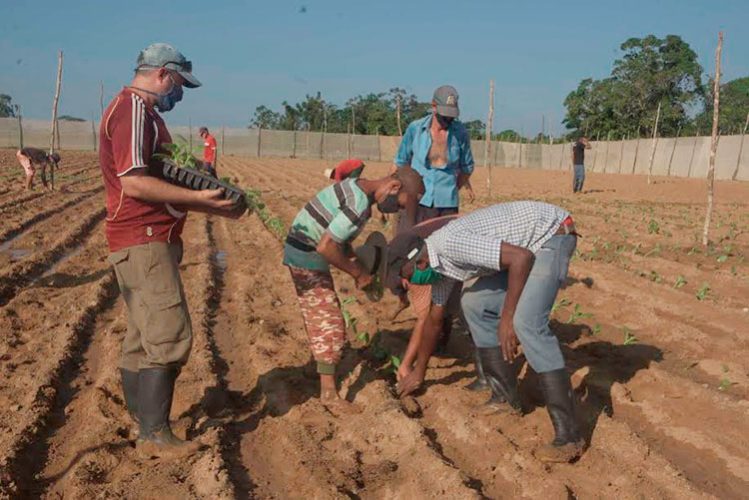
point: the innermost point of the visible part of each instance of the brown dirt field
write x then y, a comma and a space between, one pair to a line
666, 416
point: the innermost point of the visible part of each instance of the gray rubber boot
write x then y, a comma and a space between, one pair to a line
480, 384
568, 444
130, 391
155, 393
502, 379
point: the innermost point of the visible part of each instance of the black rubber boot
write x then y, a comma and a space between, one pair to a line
155, 393
130, 390
502, 379
560, 402
480, 384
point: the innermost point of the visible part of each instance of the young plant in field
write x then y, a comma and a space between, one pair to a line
629, 337
654, 227
577, 313
180, 153
724, 384
559, 304
379, 351
596, 329
655, 277
703, 292
722, 258
680, 281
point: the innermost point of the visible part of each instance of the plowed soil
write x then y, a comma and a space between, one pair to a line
654, 327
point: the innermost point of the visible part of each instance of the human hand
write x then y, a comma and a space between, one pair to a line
403, 372
363, 280
508, 339
213, 198
410, 382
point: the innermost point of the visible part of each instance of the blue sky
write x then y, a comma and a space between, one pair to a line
252, 53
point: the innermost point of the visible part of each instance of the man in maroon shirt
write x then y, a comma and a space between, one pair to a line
145, 217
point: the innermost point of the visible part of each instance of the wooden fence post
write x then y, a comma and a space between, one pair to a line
398, 114
713, 143
488, 138
54, 118
637, 150
606, 154
20, 127
293, 146
259, 139
691, 158
673, 150
93, 128
621, 156
655, 142
741, 149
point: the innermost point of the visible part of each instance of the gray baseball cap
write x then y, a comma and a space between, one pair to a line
163, 55
446, 99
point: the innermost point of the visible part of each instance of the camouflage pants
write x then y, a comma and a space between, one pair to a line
323, 320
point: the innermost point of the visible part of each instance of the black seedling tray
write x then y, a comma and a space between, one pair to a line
197, 180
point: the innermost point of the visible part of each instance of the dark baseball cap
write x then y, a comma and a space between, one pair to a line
372, 255
405, 248
446, 99
163, 55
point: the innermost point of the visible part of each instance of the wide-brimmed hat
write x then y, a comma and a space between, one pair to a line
372, 255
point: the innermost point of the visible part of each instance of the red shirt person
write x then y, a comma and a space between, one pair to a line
145, 217
353, 167
209, 151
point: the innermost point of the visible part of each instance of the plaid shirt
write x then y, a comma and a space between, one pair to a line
470, 246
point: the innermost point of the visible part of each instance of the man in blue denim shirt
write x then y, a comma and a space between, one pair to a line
439, 148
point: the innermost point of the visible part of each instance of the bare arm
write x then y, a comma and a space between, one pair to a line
432, 327
333, 253
518, 262
148, 188
463, 179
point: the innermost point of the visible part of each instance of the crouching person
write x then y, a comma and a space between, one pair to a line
512, 259
320, 236
30, 158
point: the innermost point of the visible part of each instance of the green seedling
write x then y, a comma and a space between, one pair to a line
724, 384
654, 227
559, 304
680, 281
596, 329
703, 291
655, 277
693, 251
577, 314
629, 337
733, 270
722, 258
655, 251
725, 368
180, 153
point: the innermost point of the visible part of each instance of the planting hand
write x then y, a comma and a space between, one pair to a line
363, 280
411, 381
508, 339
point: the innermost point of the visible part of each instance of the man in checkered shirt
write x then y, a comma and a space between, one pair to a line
512, 259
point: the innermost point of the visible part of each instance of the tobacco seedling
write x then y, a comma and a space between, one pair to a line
596, 329
722, 258
629, 337
654, 227
577, 314
724, 384
680, 281
703, 291
559, 304
655, 277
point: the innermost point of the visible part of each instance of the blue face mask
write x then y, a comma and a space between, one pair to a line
165, 102
426, 277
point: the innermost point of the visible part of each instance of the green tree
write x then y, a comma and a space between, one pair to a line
68, 118
508, 135
476, 129
7, 109
264, 117
734, 105
651, 71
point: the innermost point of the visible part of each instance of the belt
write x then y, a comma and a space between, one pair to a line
567, 227
299, 245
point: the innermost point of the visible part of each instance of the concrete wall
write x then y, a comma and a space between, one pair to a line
682, 157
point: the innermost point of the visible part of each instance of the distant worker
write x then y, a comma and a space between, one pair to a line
29, 158
209, 151
145, 217
438, 147
352, 167
578, 163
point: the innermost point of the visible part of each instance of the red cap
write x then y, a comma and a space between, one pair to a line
346, 168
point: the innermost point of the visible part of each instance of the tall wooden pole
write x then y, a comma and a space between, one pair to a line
398, 114
621, 156
606, 154
259, 139
673, 150
637, 150
738, 158
54, 117
20, 126
713, 143
691, 158
655, 142
93, 129
520, 148
488, 138
101, 100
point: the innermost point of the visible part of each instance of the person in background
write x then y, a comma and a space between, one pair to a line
352, 167
209, 151
29, 158
578, 163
